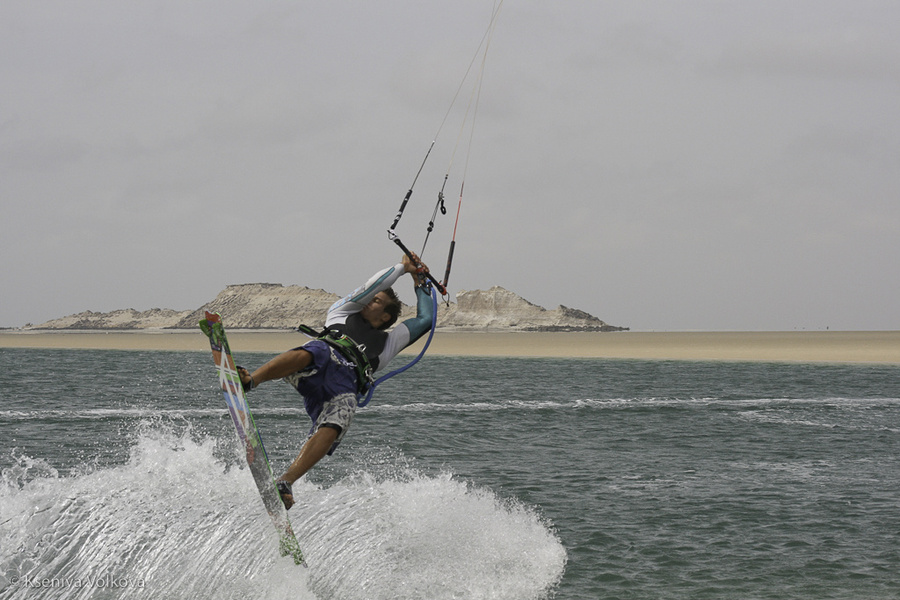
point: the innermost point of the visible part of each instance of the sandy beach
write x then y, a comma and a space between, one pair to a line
802, 346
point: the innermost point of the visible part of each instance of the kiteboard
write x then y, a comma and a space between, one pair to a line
249, 436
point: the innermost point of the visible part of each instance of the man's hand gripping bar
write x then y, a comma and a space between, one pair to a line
437, 284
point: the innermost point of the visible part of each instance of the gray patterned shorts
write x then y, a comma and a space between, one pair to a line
338, 411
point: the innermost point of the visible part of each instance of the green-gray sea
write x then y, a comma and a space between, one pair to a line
465, 478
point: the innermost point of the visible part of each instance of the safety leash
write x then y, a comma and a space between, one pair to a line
387, 376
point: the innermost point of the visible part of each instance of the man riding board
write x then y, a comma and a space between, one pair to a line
330, 372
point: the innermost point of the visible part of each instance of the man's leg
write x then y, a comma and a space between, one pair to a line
315, 448
286, 363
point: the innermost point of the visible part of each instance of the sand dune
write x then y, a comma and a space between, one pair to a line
817, 346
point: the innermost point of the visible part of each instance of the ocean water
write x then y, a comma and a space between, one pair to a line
120, 477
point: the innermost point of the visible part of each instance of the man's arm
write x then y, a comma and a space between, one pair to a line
409, 330
358, 298
421, 323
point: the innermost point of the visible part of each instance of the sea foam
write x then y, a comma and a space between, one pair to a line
179, 520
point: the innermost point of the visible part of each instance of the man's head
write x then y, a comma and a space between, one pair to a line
383, 311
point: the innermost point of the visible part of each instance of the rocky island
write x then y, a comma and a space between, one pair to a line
275, 306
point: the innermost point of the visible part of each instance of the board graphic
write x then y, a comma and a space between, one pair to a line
249, 435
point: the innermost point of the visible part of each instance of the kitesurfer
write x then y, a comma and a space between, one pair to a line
331, 372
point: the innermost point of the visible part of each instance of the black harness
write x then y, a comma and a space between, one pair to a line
348, 349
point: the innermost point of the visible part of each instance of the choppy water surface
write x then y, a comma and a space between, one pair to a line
465, 478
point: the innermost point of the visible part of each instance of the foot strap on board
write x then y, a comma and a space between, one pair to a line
249, 385
284, 489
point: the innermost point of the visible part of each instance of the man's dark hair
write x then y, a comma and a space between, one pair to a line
392, 308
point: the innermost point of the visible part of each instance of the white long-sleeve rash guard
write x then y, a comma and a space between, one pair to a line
380, 346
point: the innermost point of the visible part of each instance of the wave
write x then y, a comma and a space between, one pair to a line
637, 402
176, 521
132, 414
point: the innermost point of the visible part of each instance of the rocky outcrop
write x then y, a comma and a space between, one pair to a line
265, 306
275, 306
499, 309
118, 319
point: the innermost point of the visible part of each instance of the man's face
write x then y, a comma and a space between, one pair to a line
374, 312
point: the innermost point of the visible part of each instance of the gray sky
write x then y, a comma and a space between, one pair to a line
662, 165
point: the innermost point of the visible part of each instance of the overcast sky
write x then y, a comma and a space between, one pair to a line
662, 165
